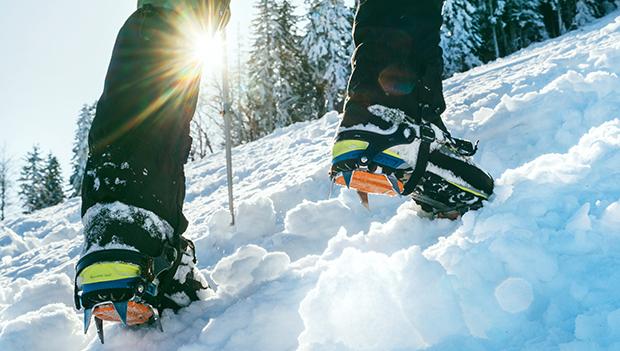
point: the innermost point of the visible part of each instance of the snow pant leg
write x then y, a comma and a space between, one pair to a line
397, 62
139, 139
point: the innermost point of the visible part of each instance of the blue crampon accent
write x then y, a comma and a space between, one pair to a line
353, 155
390, 161
381, 159
128, 283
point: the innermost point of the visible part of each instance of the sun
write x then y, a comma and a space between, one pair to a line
206, 51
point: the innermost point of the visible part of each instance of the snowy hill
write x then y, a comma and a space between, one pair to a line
536, 269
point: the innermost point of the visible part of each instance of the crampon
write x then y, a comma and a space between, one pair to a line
373, 168
121, 286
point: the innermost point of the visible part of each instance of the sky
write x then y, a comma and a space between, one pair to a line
54, 59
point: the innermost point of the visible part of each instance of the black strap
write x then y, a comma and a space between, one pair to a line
427, 136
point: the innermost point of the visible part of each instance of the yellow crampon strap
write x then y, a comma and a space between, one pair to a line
342, 147
108, 271
469, 190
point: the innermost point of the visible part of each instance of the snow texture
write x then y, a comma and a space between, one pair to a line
535, 269
120, 212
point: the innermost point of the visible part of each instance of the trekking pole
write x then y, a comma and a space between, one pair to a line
227, 127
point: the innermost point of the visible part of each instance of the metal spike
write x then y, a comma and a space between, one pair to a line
394, 183
88, 313
121, 310
331, 188
364, 199
157, 320
347, 178
99, 324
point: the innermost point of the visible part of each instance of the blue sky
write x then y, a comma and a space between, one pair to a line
55, 56
54, 59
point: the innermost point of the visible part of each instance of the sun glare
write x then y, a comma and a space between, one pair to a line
207, 51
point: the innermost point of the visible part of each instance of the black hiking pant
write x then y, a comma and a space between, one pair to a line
139, 139
397, 62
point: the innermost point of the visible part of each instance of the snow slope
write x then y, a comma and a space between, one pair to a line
536, 269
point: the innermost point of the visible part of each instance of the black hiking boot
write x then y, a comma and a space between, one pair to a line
133, 266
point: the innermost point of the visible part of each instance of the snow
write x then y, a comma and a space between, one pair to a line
49, 322
250, 265
535, 269
514, 295
152, 224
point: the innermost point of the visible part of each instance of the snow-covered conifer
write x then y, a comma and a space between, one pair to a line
52, 193
261, 90
586, 11
31, 181
489, 22
460, 37
558, 7
239, 77
5, 182
524, 23
328, 45
296, 98
80, 147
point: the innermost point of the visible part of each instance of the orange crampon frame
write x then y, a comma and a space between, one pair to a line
370, 183
137, 313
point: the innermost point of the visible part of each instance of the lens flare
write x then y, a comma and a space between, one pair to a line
206, 51
188, 49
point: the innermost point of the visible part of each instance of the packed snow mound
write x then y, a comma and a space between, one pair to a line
535, 269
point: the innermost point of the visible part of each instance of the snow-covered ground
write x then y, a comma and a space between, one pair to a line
536, 269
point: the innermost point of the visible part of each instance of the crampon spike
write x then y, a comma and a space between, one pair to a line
347, 178
331, 188
99, 324
88, 313
364, 199
121, 309
157, 320
394, 183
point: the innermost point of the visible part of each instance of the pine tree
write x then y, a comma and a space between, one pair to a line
509, 25
261, 91
296, 97
31, 179
239, 125
524, 24
328, 45
489, 21
460, 37
80, 147
281, 87
559, 24
207, 122
52, 193
609, 5
586, 11
5, 182
284, 52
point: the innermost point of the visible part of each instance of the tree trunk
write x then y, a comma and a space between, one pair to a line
561, 27
494, 29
